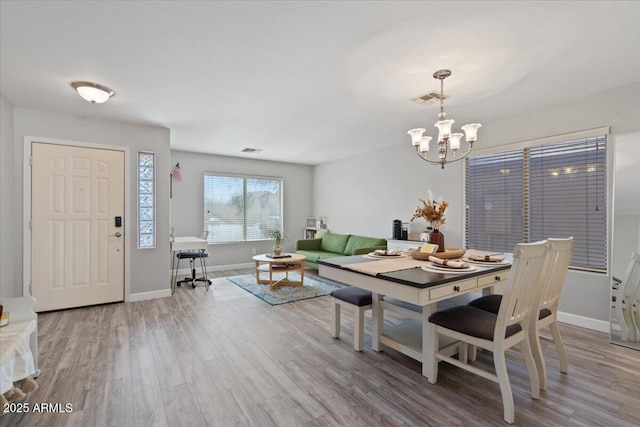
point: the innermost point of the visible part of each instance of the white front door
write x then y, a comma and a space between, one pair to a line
77, 252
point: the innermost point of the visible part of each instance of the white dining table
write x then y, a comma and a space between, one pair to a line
180, 244
412, 293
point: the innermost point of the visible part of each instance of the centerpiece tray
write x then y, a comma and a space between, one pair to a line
449, 253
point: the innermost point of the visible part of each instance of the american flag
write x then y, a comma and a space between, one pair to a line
175, 173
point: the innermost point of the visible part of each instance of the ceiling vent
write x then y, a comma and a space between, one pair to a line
252, 150
428, 99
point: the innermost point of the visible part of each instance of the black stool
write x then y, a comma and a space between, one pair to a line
192, 256
357, 299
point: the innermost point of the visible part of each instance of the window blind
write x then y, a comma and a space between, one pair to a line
240, 208
568, 197
494, 194
525, 195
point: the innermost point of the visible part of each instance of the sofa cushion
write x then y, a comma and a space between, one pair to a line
356, 242
313, 256
334, 243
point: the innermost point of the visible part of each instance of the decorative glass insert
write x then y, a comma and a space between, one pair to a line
146, 200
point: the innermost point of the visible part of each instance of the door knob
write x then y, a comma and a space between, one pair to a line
118, 234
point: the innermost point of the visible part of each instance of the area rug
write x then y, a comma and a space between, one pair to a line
313, 287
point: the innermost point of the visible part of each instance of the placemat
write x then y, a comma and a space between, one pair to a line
385, 266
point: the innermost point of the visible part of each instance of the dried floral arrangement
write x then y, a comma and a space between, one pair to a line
431, 211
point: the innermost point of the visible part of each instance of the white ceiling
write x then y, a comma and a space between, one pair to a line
310, 81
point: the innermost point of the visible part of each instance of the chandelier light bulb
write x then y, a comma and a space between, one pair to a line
416, 135
444, 126
454, 141
424, 143
471, 131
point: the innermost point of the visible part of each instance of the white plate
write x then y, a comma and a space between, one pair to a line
375, 255
479, 262
439, 269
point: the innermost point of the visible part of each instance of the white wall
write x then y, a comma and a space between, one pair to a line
626, 238
364, 194
8, 283
145, 274
187, 204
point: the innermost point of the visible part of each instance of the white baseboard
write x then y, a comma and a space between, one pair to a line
584, 322
141, 296
187, 271
231, 266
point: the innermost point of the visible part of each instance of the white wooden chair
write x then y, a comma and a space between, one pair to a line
495, 332
555, 272
627, 300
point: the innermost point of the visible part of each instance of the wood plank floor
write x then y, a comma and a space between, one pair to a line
225, 358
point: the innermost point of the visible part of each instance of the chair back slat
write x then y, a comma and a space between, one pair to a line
522, 287
557, 265
630, 287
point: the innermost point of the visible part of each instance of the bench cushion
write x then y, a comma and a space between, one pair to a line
353, 295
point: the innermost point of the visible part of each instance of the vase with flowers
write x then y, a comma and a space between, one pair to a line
433, 212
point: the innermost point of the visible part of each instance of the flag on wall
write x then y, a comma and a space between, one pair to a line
175, 173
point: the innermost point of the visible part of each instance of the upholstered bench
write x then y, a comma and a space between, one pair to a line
357, 299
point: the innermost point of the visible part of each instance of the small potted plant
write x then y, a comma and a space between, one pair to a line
278, 238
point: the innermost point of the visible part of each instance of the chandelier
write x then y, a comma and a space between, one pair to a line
448, 143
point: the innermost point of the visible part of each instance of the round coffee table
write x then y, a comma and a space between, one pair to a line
267, 263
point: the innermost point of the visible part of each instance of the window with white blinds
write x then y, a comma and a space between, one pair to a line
554, 190
239, 207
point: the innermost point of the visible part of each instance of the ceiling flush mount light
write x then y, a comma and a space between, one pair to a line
447, 142
93, 92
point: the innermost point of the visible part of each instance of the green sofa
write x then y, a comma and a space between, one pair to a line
333, 245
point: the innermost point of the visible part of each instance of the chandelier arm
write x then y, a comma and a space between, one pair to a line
423, 156
465, 154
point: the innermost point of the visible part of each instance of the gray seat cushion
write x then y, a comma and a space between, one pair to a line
491, 303
470, 321
353, 295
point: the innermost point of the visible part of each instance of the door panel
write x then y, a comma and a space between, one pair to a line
77, 259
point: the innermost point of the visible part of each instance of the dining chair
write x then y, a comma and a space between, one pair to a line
554, 274
495, 332
192, 256
627, 300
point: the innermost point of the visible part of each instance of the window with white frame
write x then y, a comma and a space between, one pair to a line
533, 193
241, 207
146, 200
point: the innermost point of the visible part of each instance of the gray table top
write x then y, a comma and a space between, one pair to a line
415, 277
